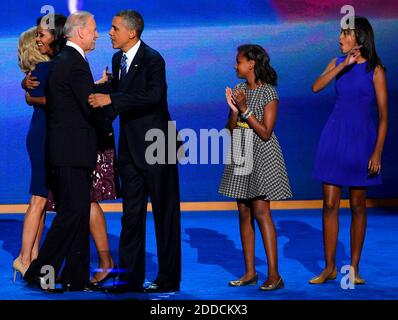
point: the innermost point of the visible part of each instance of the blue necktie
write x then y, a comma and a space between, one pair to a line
123, 66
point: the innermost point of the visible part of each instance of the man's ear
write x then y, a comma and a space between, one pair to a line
80, 32
132, 34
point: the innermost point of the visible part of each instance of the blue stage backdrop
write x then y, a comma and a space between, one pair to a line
198, 40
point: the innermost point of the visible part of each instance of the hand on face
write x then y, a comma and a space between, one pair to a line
353, 56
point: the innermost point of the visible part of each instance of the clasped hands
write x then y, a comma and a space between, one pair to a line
99, 100
236, 100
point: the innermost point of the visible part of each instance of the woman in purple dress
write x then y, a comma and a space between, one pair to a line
350, 147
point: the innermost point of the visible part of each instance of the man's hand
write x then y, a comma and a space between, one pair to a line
106, 76
99, 100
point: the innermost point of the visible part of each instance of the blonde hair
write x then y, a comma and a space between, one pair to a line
28, 52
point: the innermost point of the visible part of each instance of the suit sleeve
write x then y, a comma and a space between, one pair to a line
82, 86
105, 88
150, 96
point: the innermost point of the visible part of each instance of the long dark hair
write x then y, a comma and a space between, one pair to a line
262, 69
58, 32
365, 37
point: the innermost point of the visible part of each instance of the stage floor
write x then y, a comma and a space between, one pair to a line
212, 255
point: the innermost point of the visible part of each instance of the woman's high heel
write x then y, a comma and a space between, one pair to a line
18, 267
323, 278
240, 283
99, 285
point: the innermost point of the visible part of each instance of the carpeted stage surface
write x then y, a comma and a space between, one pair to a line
212, 256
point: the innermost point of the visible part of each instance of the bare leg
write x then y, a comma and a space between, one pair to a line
31, 226
358, 224
99, 233
262, 213
35, 249
247, 237
331, 204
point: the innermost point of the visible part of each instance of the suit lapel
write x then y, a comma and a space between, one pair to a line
79, 57
134, 66
116, 68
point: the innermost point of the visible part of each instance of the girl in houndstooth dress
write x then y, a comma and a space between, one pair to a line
255, 172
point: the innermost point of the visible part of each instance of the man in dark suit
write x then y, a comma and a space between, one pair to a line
71, 152
139, 97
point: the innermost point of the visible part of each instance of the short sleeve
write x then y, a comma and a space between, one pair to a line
41, 73
240, 86
270, 94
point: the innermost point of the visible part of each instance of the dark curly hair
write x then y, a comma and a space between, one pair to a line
58, 32
262, 69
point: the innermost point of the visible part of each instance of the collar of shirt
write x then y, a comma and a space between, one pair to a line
74, 45
131, 54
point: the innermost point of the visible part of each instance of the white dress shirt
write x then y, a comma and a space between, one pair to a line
74, 45
130, 55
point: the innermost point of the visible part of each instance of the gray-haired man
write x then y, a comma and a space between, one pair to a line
71, 151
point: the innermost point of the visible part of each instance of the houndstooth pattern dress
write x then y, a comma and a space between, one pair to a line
255, 168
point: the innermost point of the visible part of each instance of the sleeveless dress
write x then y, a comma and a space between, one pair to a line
349, 136
36, 137
255, 168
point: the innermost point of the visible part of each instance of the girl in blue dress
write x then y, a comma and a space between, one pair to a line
33, 62
350, 147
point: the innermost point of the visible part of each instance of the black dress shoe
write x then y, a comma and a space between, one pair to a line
157, 287
59, 280
55, 290
123, 289
71, 288
36, 282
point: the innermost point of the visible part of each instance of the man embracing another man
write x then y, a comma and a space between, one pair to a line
71, 152
138, 94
